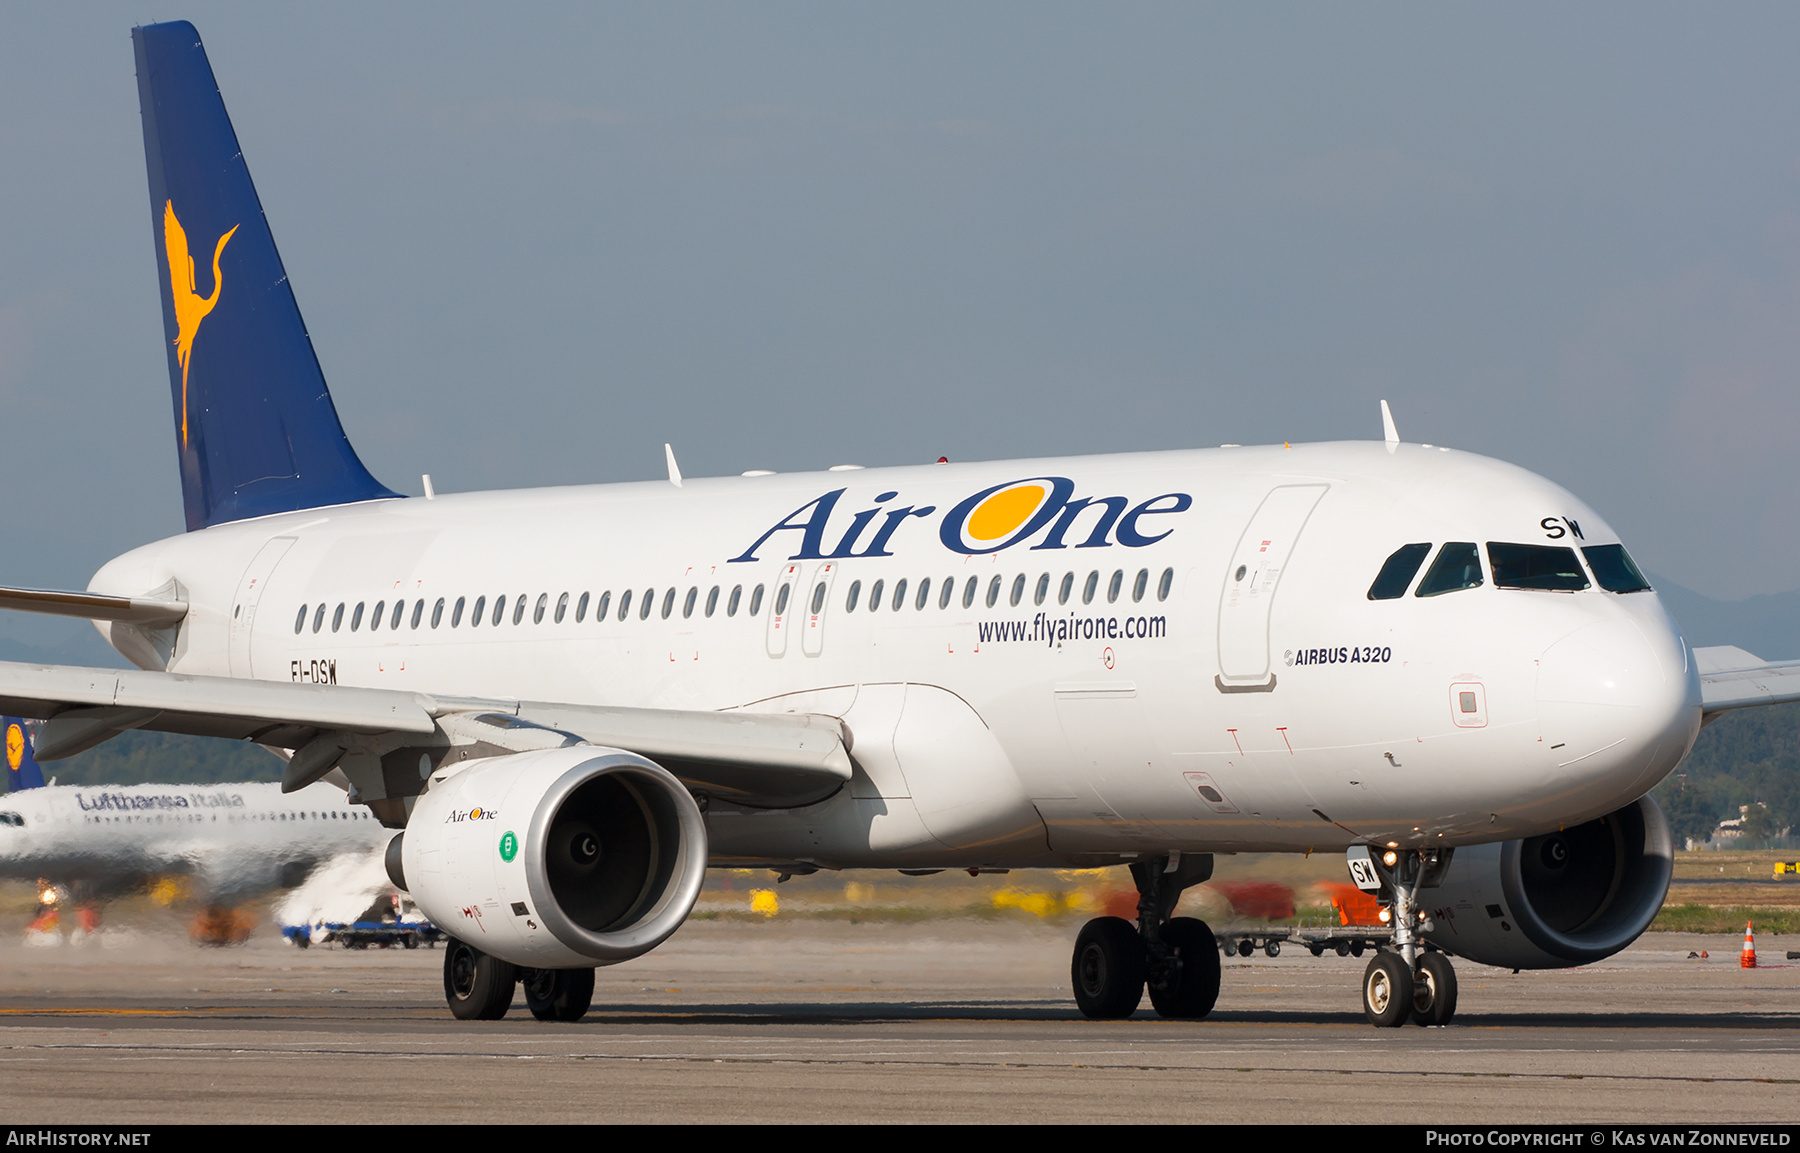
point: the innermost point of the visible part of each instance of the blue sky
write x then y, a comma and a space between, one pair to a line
532, 244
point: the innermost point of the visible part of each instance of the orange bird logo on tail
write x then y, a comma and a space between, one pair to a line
190, 307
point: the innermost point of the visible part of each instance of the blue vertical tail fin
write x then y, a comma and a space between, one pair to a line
22, 770
254, 424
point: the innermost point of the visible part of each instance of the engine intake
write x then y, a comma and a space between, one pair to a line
1557, 900
557, 858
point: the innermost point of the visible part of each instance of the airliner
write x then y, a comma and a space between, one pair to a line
568, 703
230, 841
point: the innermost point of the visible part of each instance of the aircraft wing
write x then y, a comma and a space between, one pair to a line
1731, 678
771, 760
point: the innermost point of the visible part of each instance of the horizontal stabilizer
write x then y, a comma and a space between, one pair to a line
1731, 678
148, 611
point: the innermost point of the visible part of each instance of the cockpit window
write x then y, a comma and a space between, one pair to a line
1536, 566
12, 820
1458, 566
1398, 572
1614, 569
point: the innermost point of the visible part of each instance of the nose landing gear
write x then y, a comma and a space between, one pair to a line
1175, 958
1411, 983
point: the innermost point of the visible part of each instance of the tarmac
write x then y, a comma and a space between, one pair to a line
838, 1020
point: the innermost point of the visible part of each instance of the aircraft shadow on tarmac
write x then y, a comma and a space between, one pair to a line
885, 1012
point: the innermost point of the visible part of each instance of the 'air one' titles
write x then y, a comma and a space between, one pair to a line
1045, 508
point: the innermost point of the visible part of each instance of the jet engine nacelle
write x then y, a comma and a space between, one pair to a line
1557, 900
560, 858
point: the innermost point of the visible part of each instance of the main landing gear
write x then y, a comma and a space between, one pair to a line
1176, 958
479, 987
1411, 983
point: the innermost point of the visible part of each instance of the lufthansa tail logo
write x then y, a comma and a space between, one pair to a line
190, 307
15, 746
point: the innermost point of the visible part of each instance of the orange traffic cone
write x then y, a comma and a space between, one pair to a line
1748, 961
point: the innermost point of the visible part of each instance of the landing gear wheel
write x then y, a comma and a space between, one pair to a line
1108, 969
559, 994
477, 986
1246, 947
1271, 948
1196, 984
1387, 991
1434, 990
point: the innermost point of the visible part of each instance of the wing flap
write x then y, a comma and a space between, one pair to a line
749, 758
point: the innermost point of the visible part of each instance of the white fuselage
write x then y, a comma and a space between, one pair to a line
232, 839
1009, 730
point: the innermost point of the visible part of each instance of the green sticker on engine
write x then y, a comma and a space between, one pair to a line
509, 847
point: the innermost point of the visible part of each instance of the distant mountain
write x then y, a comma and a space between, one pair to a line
1768, 626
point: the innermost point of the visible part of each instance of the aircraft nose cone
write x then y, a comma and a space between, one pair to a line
1617, 707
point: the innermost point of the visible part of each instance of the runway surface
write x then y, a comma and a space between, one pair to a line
831, 1020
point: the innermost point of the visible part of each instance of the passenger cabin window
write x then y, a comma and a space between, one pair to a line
687, 606
319, 618
1398, 571
731, 604
357, 616
581, 609
969, 591
562, 607
993, 593
1114, 586
1018, 591
646, 604
624, 604
756, 595
924, 595
375, 617
1089, 587
712, 600
818, 602
337, 617
875, 595
1140, 585
1164, 584
419, 612
437, 612
855, 594
456, 614
300, 621
500, 609
519, 608
1458, 566
601, 609
946, 590
899, 594
1065, 588
394, 621
474, 617
1043, 590
1545, 568
1614, 570
668, 602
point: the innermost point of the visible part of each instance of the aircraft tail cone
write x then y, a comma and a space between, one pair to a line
1748, 961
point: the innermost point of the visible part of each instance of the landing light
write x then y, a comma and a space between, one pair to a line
1384, 916
1390, 858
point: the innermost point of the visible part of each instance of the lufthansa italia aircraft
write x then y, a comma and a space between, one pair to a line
232, 841
575, 700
